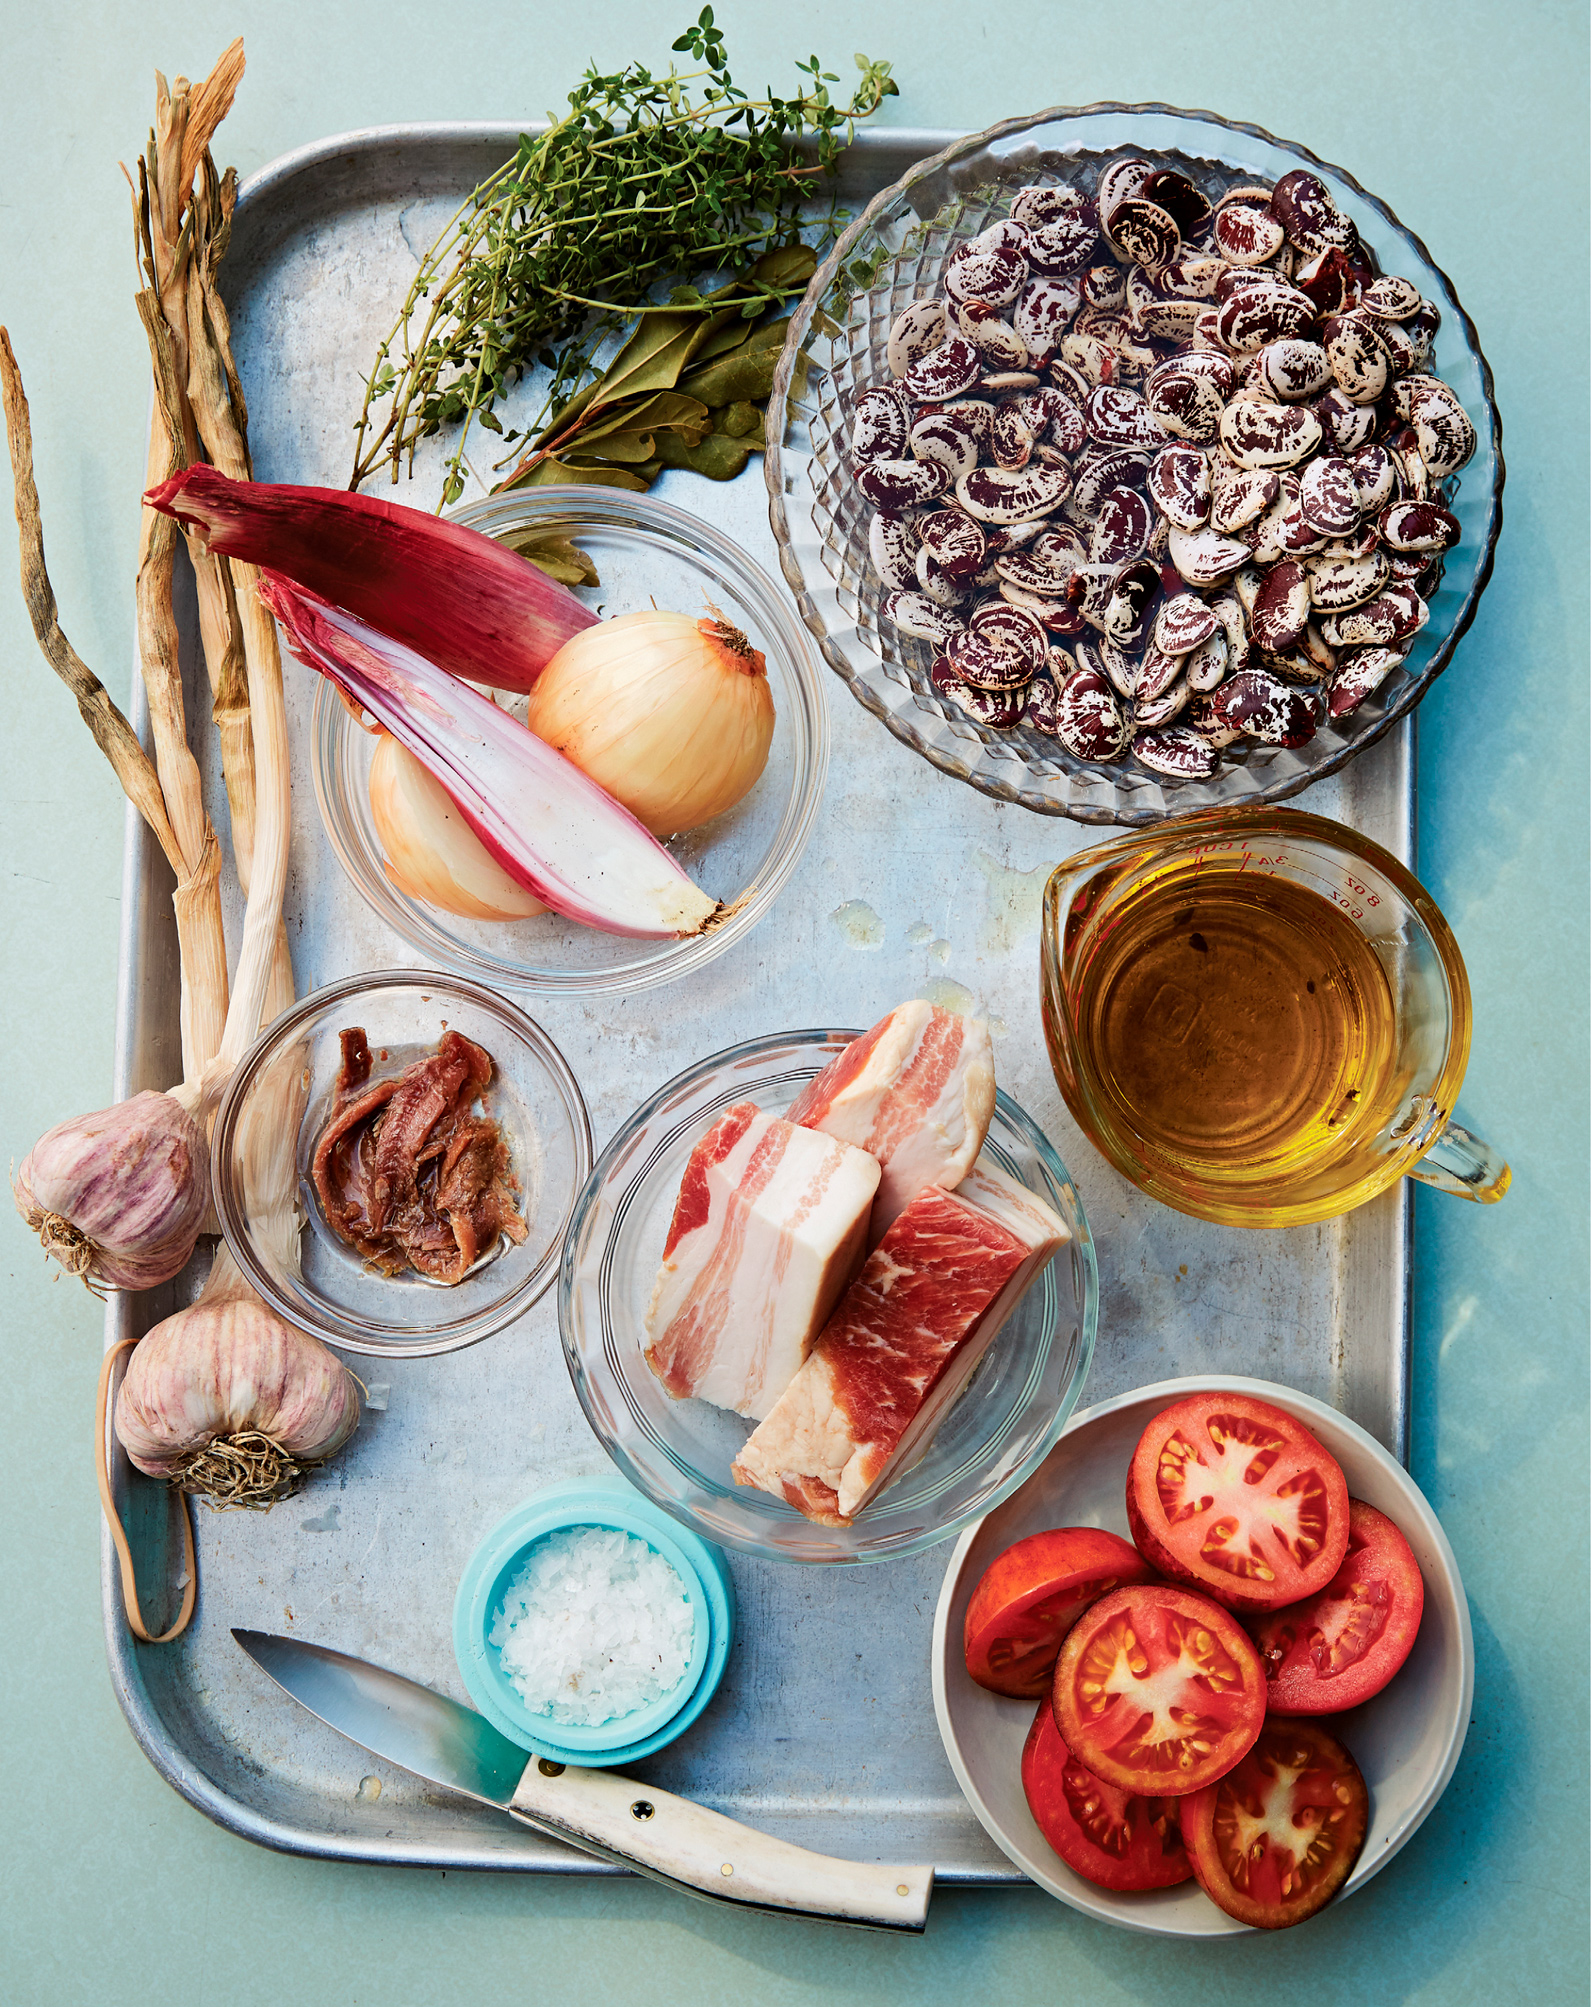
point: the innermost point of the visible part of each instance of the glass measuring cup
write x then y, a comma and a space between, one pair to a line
1133, 938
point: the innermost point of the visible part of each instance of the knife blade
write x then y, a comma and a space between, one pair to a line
686, 1846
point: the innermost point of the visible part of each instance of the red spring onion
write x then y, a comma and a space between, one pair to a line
553, 831
456, 597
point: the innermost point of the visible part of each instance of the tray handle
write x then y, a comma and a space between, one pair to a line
702, 1853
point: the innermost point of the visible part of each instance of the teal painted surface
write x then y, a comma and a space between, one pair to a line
1471, 122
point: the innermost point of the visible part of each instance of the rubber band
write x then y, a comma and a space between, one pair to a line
135, 1619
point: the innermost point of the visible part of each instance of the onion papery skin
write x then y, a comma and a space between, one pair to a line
553, 831
431, 853
668, 718
133, 1181
224, 1365
459, 598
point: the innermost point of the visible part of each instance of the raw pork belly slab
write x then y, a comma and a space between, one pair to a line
918, 1318
769, 1226
917, 1091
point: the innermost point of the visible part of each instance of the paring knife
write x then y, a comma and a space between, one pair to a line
686, 1846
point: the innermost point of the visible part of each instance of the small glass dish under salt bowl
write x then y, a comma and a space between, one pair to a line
896, 252
678, 1452
604, 1502
276, 1106
646, 553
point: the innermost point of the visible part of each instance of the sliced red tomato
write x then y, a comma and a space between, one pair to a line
1277, 1836
1239, 1500
1030, 1597
1112, 1837
1343, 1645
1158, 1691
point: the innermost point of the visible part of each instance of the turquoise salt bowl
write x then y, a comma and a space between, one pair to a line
607, 1502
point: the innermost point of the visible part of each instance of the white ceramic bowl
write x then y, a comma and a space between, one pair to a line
1406, 1740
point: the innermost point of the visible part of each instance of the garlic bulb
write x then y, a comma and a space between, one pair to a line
672, 716
230, 1402
431, 851
118, 1197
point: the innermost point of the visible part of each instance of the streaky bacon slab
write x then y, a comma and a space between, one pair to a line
929, 1302
917, 1092
769, 1227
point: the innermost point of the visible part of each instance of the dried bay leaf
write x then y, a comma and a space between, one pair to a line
644, 413
790, 265
718, 456
735, 331
687, 415
740, 421
559, 556
744, 377
550, 473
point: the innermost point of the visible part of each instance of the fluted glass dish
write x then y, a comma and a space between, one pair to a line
679, 1452
645, 552
896, 252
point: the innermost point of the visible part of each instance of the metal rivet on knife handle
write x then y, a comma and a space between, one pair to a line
641, 1809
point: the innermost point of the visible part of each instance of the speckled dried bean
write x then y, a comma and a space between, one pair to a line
1089, 720
1177, 752
998, 709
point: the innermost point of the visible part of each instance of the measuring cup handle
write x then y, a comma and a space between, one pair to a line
1461, 1163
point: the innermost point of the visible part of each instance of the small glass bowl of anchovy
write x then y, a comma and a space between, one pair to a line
1134, 462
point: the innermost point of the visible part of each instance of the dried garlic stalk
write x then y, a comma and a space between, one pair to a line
215, 396
113, 735
200, 932
182, 235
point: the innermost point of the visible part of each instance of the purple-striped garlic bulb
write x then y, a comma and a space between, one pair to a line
230, 1402
118, 1197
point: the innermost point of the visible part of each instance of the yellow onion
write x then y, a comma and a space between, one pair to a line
232, 1403
431, 851
672, 716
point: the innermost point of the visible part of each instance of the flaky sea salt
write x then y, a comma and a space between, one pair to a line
595, 1625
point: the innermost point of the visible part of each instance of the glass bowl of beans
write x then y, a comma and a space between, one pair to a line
1134, 461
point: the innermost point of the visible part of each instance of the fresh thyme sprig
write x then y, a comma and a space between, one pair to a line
638, 183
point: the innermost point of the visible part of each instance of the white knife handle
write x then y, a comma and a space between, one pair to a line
705, 1854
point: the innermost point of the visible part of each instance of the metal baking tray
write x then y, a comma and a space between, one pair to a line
823, 1730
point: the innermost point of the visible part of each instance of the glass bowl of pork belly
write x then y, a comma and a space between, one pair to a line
807, 1353
395, 1161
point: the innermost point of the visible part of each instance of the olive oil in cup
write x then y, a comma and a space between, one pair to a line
1260, 1018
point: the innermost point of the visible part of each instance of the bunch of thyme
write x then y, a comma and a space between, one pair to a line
565, 242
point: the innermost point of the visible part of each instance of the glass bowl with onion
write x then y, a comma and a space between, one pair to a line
277, 1106
643, 554
679, 1452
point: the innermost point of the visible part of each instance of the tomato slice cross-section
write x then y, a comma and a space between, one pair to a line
1115, 1838
1274, 1839
1342, 1645
1031, 1595
1238, 1500
1158, 1691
